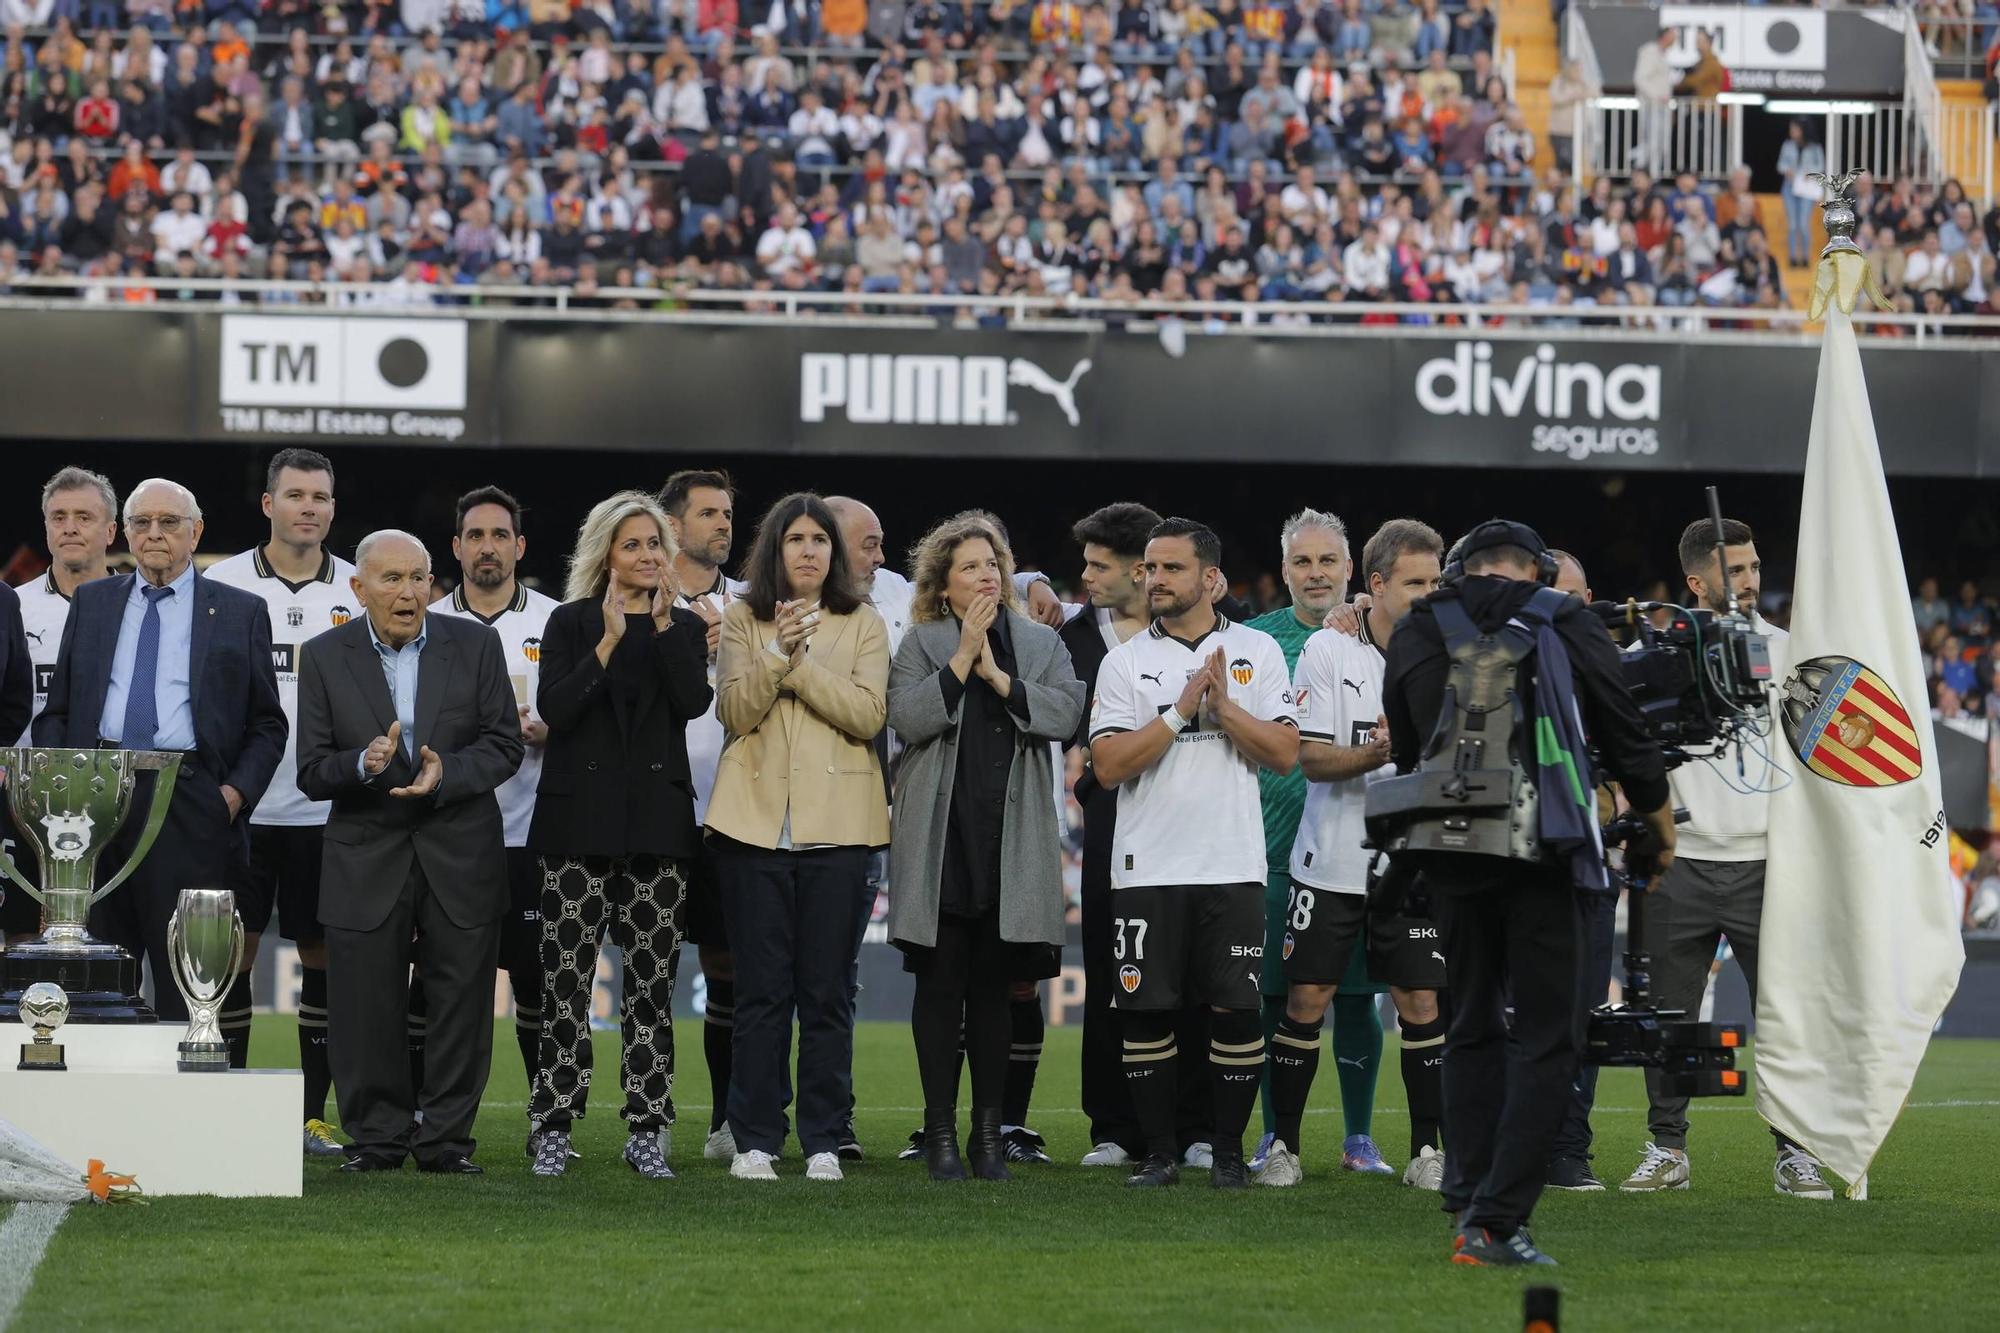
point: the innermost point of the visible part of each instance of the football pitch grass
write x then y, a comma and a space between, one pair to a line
1062, 1247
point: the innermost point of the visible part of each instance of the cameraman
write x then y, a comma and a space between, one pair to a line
1513, 929
1719, 888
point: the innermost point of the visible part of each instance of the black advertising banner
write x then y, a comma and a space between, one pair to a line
1776, 50
59, 362
1396, 395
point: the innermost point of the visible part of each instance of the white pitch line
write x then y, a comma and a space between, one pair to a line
24, 1237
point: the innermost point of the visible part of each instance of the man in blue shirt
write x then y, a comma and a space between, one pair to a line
167, 660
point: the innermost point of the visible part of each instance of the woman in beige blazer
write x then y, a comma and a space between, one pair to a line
802, 676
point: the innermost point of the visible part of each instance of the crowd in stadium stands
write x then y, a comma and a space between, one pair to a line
1962, 649
1360, 150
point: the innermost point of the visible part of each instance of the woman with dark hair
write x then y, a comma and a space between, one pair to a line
802, 675
977, 694
623, 671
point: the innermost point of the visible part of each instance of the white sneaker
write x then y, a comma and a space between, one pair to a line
753, 1165
1106, 1154
1660, 1169
823, 1166
1199, 1157
1281, 1167
1426, 1170
1797, 1174
721, 1145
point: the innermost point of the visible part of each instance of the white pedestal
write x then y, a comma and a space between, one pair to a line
122, 1101
102, 1046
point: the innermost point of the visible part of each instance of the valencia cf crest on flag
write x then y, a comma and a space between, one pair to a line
1848, 726
1128, 978
1241, 671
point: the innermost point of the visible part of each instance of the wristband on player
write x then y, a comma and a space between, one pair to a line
1175, 722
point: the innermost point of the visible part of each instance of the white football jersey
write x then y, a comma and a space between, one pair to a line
704, 734
1338, 690
1195, 817
44, 612
298, 613
520, 627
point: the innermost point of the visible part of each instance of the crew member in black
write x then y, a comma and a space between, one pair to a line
1513, 930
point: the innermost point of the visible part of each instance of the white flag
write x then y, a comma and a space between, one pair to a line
1860, 948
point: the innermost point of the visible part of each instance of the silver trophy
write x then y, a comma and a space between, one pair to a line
68, 805
44, 1008
204, 949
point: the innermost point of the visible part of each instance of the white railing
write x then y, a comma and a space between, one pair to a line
1922, 109
1581, 320
1966, 133
1584, 128
1617, 135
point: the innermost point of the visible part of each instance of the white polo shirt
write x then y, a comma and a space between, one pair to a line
298, 612
1338, 690
44, 613
520, 626
704, 734
1195, 817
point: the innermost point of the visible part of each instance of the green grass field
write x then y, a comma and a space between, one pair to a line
1061, 1247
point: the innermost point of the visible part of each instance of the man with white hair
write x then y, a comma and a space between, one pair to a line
167, 660
408, 725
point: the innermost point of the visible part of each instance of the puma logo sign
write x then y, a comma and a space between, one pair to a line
1346, 1060
1027, 375
35, 636
1440, 957
1153, 676
1352, 686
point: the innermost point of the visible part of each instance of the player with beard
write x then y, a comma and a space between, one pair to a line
489, 547
1343, 742
1316, 565
700, 505
1184, 717
80, 517
307, 590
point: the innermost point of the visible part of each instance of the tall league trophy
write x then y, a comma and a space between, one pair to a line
68, 805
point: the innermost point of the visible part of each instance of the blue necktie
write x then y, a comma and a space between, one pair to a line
142, 707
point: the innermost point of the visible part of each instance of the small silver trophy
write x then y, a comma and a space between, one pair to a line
44, 1008
204, 949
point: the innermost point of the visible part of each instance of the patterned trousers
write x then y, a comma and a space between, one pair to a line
637, 900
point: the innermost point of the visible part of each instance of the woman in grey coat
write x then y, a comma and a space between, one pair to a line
977, 693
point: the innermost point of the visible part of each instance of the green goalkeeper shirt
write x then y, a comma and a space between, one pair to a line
1284, 797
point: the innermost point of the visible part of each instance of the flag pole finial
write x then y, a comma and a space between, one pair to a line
1843, 273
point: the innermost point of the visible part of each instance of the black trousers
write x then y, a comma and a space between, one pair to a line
198, 848
965, 979
1506, 1091
1600, 927
1107, 1094
368, 1002
636, 901
792, 923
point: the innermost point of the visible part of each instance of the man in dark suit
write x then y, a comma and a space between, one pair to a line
408, 725
168, 660
17, 668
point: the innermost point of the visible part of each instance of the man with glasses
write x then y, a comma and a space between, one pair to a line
167, 660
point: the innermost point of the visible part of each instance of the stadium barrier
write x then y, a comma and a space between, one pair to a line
1408, 395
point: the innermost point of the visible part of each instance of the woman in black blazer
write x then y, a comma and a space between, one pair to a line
623, 673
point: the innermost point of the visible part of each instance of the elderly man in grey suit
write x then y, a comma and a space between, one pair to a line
977, 692
408, 725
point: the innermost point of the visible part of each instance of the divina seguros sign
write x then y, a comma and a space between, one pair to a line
1578, 409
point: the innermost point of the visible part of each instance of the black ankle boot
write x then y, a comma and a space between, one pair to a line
941, 1143
989, 1156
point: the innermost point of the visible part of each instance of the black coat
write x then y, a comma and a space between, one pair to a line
615, 777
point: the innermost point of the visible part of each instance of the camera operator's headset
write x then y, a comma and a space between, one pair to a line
1500, 532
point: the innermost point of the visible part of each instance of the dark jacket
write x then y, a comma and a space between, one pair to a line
466, 714
615, 780
1413, 686
17, 669
239, 722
